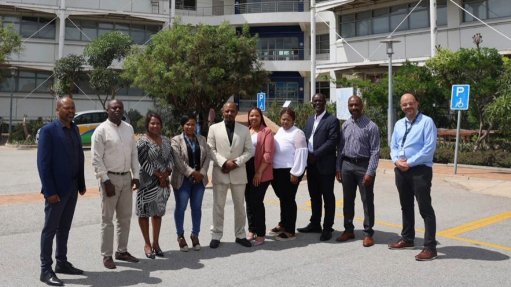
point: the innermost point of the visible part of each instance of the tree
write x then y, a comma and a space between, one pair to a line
409, 78
10, 41
481, 68
498, 113
195, 68
68, 71
100, 54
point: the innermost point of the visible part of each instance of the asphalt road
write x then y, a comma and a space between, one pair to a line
473, 221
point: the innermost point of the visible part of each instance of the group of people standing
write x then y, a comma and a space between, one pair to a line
246, 161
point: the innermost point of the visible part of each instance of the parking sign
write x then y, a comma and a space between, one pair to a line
460, 97
261, 101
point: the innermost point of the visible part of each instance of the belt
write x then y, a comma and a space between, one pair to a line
355, 160
118, 173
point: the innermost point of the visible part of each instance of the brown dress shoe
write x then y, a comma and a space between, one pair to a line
345, 236
125, 256
368, 241
426, 254
401, 244
108, 262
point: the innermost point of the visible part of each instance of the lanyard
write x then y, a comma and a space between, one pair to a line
407, 130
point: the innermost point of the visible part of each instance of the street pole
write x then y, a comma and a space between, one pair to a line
457, 143
313, 48
433, 29
13, 83
390, 111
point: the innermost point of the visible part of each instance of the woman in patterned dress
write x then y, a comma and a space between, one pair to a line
156, 160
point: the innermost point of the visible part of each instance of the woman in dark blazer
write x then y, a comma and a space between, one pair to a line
189, 179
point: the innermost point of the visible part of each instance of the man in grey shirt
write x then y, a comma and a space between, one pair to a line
357, 160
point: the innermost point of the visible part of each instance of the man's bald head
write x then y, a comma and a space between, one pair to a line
66, 110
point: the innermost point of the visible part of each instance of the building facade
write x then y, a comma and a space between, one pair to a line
348, 40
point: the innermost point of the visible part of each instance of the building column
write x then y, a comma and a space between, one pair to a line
62, 27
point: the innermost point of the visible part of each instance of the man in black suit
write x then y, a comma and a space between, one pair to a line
322, 133
60, 163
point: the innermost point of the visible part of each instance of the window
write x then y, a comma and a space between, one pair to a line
279, 48
397, 14
91, 30
284, 90
27, 81
323, 44
386, 20
348, 26
486, 9
380, 21
28, 26
363, 24
186, 4
324, 88
419, 18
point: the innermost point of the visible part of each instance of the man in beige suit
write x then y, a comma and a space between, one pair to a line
231, 147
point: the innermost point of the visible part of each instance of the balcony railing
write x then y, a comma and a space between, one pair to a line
162, 7
247, 8
280, 54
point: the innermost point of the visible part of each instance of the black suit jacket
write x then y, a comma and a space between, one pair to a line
325, 141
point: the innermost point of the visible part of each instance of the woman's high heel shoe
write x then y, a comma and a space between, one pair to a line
149, 254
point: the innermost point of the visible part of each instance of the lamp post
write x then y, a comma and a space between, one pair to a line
390, 111
13, 83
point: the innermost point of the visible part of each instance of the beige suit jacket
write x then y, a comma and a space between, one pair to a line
241, 151
181, 167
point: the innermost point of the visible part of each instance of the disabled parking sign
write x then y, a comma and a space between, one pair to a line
460, 97
261, 101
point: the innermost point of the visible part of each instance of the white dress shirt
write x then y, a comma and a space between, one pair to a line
114, 149
317, 119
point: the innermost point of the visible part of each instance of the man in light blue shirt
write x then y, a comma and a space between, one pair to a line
412, 148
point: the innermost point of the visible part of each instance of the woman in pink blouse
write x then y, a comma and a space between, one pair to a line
259, 175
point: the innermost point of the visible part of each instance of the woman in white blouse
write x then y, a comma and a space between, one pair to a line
289, 162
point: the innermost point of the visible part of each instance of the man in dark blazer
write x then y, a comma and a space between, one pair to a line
60, 163
322, 133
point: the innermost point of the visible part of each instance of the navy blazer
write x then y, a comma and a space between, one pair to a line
53, 160
325, 141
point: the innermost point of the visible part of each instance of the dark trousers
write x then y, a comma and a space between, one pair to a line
321, 189
352, 177
57, 222
286, 192
254, 197
416, 182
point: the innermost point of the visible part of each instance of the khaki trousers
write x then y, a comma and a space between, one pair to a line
238, 199
121, 204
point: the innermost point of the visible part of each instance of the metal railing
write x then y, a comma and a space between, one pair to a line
162, 8
280, 54
247, 8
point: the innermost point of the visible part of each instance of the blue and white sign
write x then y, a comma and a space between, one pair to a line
261, 101
460, 97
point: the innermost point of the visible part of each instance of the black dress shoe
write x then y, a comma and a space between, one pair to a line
51, 279
243, 242
310, 228
325, 235
67, 268
214, 243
